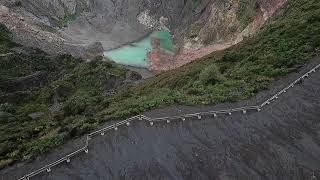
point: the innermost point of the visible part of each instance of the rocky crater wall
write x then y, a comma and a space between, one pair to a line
75, 26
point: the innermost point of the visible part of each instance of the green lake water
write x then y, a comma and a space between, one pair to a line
136, 54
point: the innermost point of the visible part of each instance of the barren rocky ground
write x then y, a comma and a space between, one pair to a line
86, 28
280, 142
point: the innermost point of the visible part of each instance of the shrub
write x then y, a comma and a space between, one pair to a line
211, 75
5, 162
78, 103
39, 146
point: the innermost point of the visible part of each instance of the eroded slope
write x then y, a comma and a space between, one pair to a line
74, 26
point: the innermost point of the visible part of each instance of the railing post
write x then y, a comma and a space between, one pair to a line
87, 141
183, 118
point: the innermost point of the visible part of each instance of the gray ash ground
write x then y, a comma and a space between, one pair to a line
280, 142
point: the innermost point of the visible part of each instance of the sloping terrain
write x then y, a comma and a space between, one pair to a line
87, 27
80, 90
37, 92
280, 142
281, 47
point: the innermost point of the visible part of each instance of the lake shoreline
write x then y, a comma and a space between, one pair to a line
136, 54
130, 42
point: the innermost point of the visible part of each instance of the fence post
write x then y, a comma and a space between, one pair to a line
183, 118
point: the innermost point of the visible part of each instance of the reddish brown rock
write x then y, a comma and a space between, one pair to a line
163, 61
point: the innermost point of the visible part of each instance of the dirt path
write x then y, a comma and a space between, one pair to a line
280, 142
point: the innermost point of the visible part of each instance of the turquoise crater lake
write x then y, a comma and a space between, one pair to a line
136, 54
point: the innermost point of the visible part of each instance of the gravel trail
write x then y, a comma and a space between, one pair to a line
280, 142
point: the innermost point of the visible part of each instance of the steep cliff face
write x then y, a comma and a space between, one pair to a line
220, 25
69, 26
235, 18
74, 24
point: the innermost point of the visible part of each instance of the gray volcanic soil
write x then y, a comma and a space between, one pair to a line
280, 142
72, 26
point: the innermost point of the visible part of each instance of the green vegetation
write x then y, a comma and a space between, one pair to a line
246, 11
231, 75
234, 74
194, 30
211, 75
29, 124
5, 43
67, 17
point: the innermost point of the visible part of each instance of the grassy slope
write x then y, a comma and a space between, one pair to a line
237, 73
79, 86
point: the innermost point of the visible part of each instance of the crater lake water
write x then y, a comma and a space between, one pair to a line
136, 54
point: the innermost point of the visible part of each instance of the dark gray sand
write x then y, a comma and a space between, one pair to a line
280, 142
